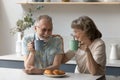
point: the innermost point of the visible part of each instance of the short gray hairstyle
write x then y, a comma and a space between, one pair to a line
48, 18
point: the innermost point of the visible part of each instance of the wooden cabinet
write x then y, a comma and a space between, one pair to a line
113, 71
70, 3
68, 67
12, 64
20, 65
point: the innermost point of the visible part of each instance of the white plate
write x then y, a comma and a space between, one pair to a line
55, 76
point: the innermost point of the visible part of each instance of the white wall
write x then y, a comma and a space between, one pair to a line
10, 12
106, 17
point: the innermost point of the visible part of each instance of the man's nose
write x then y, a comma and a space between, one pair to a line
46, 32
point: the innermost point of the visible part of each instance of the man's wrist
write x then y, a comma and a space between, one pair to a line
32, 53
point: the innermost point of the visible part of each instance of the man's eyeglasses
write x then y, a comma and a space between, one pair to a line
44, 30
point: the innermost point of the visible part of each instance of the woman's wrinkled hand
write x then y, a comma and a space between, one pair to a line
84, 46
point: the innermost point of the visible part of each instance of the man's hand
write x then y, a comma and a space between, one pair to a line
30, 46
33, 70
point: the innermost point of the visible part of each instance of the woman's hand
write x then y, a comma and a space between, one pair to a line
84, 47
30, 46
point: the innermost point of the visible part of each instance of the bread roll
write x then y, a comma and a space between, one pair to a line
54, 72
58, 72
49, 72
61, 72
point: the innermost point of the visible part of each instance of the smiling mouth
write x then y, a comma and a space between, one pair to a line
45, 37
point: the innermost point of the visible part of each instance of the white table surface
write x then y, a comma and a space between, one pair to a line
18, 74
112, 63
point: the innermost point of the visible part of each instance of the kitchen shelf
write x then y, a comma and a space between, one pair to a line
70, 3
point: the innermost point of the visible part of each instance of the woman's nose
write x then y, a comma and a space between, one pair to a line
75, 36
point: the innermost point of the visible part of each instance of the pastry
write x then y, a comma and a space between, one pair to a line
58, 72
61, 72
49, 72
54, 72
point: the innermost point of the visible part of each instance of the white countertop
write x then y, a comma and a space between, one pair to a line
18, 74
112, 63
11, 57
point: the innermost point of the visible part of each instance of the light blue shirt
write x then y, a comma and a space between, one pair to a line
45, 56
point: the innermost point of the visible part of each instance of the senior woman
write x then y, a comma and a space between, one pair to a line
91, 55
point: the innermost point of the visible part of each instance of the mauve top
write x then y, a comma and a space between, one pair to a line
98, 51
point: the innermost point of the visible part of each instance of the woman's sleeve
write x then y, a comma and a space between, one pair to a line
99, 54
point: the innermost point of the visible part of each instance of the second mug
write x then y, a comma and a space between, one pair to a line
73, 45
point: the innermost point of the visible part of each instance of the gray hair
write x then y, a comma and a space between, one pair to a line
48, 18
86, 24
